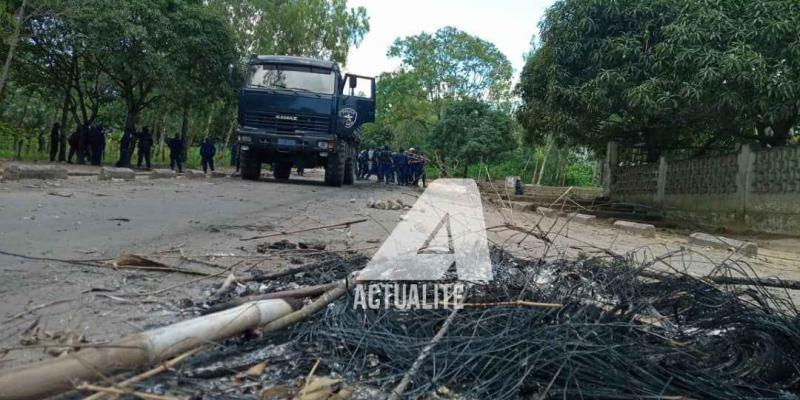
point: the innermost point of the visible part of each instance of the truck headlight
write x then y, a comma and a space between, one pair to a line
246, 139
322, 145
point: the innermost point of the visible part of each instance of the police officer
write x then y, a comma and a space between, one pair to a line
73, 145
175, 152
125, 149
400, 166
385, 165
363, 164
97, 144
54, 139
145, 146
373, 164
207, 152
84, 135
416, 164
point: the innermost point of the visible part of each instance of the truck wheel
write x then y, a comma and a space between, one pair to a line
334, 170
282, 170
349, 170
250, 166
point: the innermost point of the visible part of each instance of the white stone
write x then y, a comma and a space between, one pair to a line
22, 171
646, 230
582, 218
548, 212
162, 173
109, 173
194, 174
721, 242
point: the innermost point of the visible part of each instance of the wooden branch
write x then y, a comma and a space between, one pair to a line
53, 376
118, 392
292, 294
149, 374
398, 390
515, 303
341, 224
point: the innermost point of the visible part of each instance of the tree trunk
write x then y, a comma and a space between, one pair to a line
544, 161
62, 145
466, 169
126, 144
185, 130
12, 45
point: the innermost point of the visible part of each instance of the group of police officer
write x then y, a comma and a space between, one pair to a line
401, 167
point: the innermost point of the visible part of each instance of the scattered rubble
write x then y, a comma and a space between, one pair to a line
387, 204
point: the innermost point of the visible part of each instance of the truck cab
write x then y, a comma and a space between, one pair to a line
302, 112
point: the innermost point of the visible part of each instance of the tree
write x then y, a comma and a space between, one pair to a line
314, 28
472, 131
153, 48
403, 110
665, 74
205, 62
451, 64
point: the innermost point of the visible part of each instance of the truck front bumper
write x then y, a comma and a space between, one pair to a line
258, 140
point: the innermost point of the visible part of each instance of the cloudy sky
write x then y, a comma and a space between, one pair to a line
509, 24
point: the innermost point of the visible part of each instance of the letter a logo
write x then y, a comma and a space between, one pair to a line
445, 227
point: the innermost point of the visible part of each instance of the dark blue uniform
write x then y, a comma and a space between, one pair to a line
175, 153
400, 167
145, 144
363, 164
384, 166
207, 152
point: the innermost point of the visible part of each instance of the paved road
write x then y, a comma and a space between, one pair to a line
83, 218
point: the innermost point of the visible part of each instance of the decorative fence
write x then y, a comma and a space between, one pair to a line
750, 190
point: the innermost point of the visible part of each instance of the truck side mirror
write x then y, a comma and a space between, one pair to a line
353, 82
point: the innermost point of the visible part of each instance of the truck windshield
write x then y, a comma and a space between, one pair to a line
312, 79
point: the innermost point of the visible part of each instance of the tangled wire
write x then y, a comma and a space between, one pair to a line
625, 331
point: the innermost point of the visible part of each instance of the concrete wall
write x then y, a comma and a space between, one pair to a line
751, 190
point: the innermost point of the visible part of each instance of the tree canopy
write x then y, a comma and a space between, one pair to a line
149, 58
665, 74
471, 131
452, 64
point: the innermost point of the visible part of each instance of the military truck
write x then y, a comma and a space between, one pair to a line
302, 112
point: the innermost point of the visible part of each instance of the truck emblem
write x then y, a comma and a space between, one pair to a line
286, 117
348, 116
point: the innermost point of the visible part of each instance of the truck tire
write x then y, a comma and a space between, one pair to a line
349, 169
334, 170
250, 166
282, 170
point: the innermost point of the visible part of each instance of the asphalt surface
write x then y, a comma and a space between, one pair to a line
176, 219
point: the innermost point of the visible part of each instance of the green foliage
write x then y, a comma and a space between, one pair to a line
314, 28
452, 64
471, 131
663, 73
153, 62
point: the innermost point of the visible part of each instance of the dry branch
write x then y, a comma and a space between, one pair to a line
53, 376
341, 224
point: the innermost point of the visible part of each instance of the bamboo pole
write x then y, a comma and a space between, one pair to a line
57, 375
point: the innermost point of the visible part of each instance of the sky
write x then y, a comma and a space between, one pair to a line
509, 24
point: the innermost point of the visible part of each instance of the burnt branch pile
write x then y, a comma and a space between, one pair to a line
619, 335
